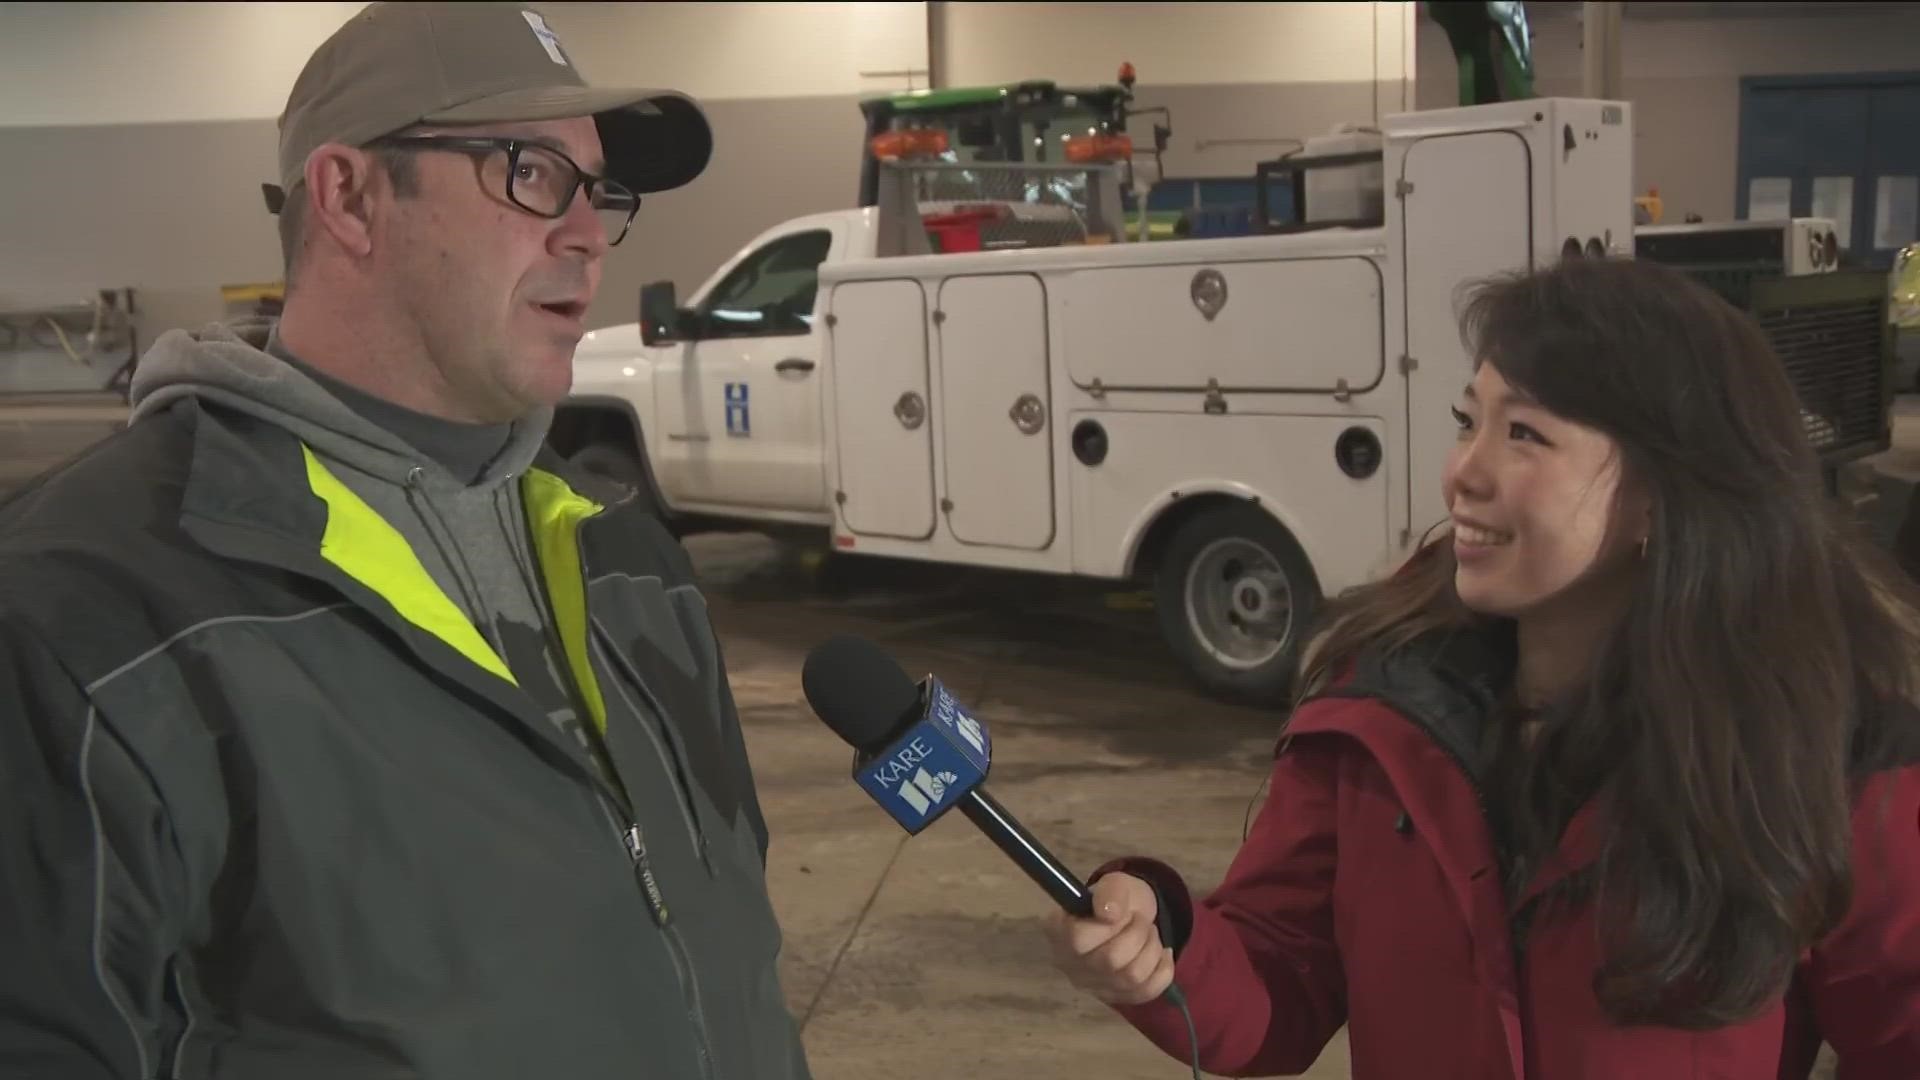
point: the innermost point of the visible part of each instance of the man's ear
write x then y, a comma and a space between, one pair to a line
341, 188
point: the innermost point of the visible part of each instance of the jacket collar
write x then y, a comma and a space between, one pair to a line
255, 493
1449, 683
1422, 711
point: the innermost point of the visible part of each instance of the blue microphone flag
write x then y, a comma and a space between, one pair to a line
941, 756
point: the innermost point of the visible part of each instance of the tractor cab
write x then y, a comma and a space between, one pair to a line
1035, 122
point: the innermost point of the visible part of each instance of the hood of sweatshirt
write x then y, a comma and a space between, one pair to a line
229, 363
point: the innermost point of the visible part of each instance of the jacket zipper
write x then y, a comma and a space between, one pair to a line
690, 984
633, 842
683, 969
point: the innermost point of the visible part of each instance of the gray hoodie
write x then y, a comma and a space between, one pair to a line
469, 533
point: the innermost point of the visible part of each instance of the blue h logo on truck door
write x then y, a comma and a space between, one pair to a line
738, 422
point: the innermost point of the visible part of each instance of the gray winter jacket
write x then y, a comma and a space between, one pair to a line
273, 806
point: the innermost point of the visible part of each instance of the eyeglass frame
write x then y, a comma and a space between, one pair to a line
475, 144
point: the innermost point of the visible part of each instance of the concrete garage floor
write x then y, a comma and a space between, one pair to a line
924, 954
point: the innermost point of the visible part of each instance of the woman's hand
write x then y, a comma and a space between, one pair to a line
1116, 955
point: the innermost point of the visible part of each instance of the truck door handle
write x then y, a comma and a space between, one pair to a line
794, 363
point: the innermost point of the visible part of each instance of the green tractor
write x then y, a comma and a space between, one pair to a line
1035, 122
1001, 128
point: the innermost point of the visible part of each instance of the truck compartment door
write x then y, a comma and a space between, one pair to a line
883, 421
1306, 325
996, 412
1468, 215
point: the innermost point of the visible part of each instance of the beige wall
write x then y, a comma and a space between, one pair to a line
1177, 44
175, 210
136, 136
151, 180
134, 157
1681, 65
136, 63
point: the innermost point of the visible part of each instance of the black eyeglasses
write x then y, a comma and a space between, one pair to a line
538, 178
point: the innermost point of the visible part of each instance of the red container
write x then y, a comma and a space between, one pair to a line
958, 231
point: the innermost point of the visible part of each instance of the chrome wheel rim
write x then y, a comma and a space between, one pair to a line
1239, 603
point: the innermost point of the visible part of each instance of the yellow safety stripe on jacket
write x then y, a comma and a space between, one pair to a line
556, 511
368, 549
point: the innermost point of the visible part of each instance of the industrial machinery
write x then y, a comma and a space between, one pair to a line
1026, 122
1788, 247
1828, 325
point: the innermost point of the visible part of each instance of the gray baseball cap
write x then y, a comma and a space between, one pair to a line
395, 65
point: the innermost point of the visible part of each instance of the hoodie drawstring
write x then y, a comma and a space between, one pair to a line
455, 560
520, 543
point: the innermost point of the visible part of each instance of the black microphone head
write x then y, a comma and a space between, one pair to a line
857, 690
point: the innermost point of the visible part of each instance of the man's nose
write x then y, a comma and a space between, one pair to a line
580, 231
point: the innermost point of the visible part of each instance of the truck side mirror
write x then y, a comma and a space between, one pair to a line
659, 313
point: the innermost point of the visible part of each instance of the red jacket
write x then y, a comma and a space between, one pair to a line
1367, 893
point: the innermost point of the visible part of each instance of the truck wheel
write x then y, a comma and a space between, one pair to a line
612, 461
1234, 594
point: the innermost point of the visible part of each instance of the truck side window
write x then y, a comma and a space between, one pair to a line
771, 292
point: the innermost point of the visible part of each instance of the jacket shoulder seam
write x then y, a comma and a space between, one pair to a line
220, 620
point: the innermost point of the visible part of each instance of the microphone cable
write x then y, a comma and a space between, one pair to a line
1174, 994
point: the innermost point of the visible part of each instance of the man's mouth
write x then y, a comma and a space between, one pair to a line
566, 309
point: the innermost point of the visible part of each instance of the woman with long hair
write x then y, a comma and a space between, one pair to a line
1617, 777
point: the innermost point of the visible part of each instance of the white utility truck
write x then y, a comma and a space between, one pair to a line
1250, 423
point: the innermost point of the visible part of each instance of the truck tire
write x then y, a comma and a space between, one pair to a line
621, 465
1234, 594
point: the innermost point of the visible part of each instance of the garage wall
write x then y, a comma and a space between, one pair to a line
1681, 64
1240, 79
136, 136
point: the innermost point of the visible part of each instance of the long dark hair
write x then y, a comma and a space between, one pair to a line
1765, 663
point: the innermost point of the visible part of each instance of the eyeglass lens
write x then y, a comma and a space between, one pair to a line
545, 183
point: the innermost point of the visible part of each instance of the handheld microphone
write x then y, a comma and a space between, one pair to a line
918, 753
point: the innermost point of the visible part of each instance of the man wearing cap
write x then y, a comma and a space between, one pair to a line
344, 732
